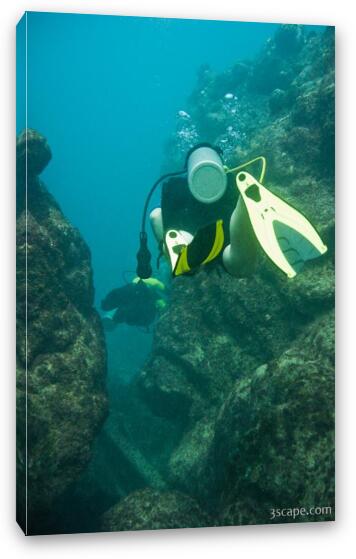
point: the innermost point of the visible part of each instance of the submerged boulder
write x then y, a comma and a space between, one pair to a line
188, 468
32, 155
216, 328
289, 39
274, 438
61, 356
151, 510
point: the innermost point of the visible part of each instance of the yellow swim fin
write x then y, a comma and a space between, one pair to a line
285, 235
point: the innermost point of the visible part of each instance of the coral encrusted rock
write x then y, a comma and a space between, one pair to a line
274, 439
151, 510
61, 356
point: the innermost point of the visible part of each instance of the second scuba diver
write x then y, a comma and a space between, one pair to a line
135, 303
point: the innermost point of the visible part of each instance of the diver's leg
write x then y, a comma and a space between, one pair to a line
157, 224
240, 256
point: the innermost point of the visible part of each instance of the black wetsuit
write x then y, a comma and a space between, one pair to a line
135, 304
180, 210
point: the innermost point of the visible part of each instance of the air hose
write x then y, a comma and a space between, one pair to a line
259, 158
144, 268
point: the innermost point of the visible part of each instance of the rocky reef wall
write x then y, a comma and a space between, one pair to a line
61, 355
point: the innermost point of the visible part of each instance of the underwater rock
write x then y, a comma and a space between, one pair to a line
278, 101
235, 327
313, 291
270, 71
239, 73
302, 142
28, 168
125, 465
61, 356
274, 438
151, 510
227, 82
38, 152
216, 328
215, 333
315, 111
187, 468
276, 66
289, 39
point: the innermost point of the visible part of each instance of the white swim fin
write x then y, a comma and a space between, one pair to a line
175, 242
286, 236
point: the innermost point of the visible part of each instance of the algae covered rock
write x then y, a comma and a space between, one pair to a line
274, 438
289, 39
61, 355
151, 510
32, 153
278, 101
313, 291
215, 329
188, 462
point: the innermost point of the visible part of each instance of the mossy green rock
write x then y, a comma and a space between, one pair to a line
61, 356
151, 510
274, 438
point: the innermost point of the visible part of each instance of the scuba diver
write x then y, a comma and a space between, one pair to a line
135, 303
212, 213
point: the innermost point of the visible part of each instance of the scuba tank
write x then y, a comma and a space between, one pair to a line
206, 175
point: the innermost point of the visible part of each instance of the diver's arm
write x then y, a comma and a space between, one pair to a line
240, 256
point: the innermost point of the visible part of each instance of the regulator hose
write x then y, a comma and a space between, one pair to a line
144, 268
